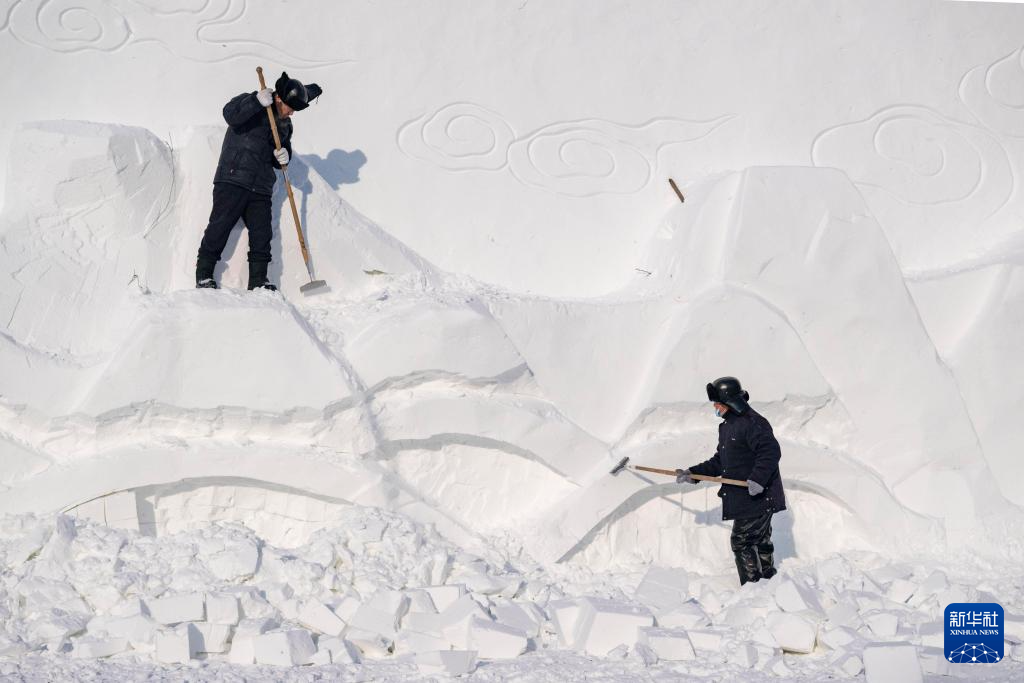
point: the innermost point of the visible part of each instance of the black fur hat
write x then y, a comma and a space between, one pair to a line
293, 93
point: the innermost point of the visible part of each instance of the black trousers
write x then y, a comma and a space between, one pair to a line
751, 542
231, 202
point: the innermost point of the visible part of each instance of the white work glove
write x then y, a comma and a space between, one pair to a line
282, 156
753, 488
683, 477
266, 97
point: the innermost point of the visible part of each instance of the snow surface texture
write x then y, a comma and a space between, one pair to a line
538, 307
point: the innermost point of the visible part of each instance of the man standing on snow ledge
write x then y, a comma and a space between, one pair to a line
244, 182
747, 449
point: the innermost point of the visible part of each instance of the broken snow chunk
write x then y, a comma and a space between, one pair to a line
370, 644
891, 663
408, 641
456, 620
177, 646
844, 613
882, 623
284, 648
934, 663
669, 644
662, 588
237, 561
382, 614
420, 601
932, 635
745, 655
492, 640
89, 647
177, 609
444, 596
213, 638
446, 662
848, 664
793, 632
646, 655
687, 615
707, 641
341, 650
317, 617
522, 615
564, 614
901, 590
836, 637
139, 631
792, 595
605, 624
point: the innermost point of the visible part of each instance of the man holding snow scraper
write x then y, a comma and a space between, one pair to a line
747, 450
244, 181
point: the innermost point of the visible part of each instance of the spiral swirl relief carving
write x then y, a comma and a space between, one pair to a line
459, 137
198, 30
574, 158
995, 94
939, 186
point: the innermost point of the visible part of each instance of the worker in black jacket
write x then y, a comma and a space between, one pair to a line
244, 182
748, 451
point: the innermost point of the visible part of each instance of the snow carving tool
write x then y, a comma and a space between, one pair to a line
313, 285
624, 465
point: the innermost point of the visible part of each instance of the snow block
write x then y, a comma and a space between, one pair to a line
934, 663
844, 613
745, 655
882, 623
492, 640
370, 644
670, 644
177, 646
457, 618
139, 631
837, 637
446, 662
793, 595
382, 614
213, 638
284, 648
408, 641
891, 663
605, 624
222, 608
420, 601
522, 615
341, 650
564, 614
646, 655
90, 647
444, 596
421, 622
847, 664
663, 588
687, 615
793, 632
318, 617
177, 609
901, 590
707, 641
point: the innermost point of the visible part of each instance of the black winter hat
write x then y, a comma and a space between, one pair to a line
293, 93
727, 390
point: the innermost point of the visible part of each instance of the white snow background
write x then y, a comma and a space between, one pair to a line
408, 476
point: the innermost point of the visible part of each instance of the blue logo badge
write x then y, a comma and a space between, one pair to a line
974, 632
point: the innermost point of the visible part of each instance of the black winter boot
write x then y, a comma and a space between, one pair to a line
258, 276
204, 275
766, 554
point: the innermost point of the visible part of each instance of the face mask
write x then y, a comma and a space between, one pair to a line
718, 413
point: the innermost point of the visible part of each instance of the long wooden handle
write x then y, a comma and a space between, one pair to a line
675, 187
701, 477
284, 171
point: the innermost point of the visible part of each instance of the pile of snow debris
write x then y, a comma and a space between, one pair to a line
380, 595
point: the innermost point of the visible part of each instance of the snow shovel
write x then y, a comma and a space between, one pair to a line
312, 285
623, 465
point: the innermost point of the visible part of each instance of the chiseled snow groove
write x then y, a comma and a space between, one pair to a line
436, 442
